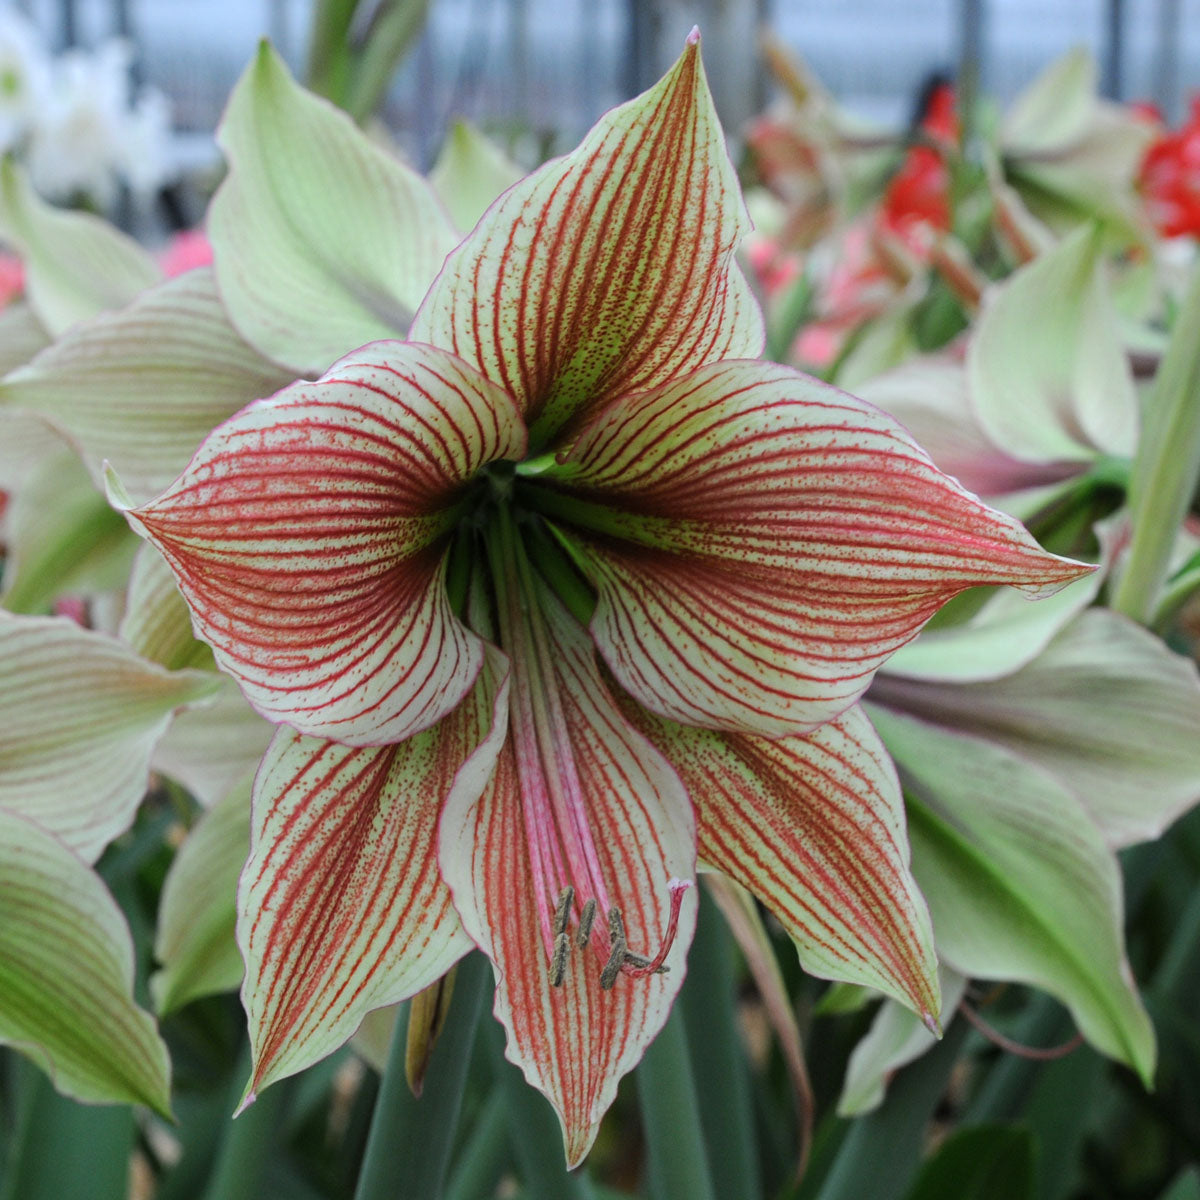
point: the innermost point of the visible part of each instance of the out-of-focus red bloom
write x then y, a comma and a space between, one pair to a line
1170, 179
184, 252
918, 197
773, 265
12, 279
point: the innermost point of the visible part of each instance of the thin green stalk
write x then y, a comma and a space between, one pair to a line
397, 26
249, 1143
64, 1148
678, 1161
881, 1152
408, 1149
1166, 467
486, 1155
328, 69
718, 1057
533, 1131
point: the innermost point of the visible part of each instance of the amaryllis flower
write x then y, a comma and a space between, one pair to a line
551, 598
1169, 178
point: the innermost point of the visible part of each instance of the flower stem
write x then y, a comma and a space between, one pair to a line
671, 1118
408, 1148
533, 1132
718, 1057
1166, 467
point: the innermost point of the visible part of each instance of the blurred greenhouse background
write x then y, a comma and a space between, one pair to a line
550, 67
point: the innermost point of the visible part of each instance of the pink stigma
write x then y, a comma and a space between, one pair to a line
677, 887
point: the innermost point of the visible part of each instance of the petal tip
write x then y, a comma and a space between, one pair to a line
693, 38
930, 1021
247, 1100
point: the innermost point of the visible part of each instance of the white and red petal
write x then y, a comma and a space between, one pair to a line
574, 1041
342, 908
308, 536
761, 542
814, 826
608, 270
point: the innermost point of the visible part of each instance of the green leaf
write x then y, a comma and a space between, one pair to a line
323, 241
1047, 371
79, 716
470, 173
1020, 884
76, 265
142, 387
987, 1162
1167, 465
62, 538
66, 975
198, 911
896, 1038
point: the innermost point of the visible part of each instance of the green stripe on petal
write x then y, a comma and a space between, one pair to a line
574, 1041
323, 241
342, 908
762, 542
609, 270
1019, 882
308, 537
814, 826
66, 975
142, 387
79, 717
76, 265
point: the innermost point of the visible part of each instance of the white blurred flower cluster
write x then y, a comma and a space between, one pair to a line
74, 121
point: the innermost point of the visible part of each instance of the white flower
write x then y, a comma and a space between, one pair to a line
24, 77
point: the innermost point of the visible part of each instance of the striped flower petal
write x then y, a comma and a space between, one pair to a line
143, 386
608, 270
342, 908
762, 542
322, 240
814, 826
573, 1041
79, 717
66, 975
308, 538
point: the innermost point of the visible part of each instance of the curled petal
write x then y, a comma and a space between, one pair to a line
574, 1041
761, 542
608, 270
308, 534
814, 826
342, 908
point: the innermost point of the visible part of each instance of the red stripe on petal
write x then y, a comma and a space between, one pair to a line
307, 536
342, 908
760, 543
814, 826
609, 270
574, 1041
